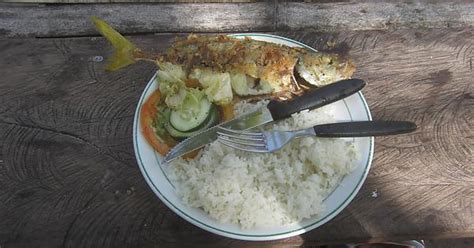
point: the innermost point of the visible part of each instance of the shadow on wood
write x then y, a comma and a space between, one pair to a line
69, 177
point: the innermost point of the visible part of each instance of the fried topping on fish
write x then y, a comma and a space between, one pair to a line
224, 66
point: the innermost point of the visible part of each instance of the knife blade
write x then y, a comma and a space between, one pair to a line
275, 110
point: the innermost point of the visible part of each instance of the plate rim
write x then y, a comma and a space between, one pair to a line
230, 234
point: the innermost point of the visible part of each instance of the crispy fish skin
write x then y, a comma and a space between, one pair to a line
321, 69
269, 67
254, 67
265, 64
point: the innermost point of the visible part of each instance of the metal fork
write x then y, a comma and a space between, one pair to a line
270, 141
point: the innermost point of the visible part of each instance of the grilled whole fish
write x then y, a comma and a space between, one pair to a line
222, 65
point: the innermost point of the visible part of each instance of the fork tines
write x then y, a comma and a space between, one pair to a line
243, 140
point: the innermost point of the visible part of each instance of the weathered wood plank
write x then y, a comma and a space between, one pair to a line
68, 173
364, 15
457, 243
129, 1
73, 20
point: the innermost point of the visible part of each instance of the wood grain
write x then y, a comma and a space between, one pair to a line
364, 15
74, 20
60, 20
128, 1
69, 177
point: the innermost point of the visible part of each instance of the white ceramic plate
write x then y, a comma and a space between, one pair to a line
351, 108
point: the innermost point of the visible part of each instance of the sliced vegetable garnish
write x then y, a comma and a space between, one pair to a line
151, 128
211, 120
153, 119
186, 119
216, 85
170, 73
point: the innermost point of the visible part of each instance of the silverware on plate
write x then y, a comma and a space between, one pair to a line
275, 110
270, 141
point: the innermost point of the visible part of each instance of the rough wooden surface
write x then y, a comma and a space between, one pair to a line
129, 1
59, 20
74, 20
69, 177
351, 15
451, 243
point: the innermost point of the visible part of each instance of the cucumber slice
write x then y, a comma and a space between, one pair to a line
185, 122
212, 119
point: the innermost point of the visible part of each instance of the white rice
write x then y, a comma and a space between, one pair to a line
266, 190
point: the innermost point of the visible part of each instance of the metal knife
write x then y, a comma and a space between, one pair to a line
274, 111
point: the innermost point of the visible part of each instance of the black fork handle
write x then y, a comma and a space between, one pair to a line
364, 128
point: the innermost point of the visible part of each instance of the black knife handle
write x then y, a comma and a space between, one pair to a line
315, 98
364, 128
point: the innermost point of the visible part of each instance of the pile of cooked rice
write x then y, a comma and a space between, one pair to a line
271, 189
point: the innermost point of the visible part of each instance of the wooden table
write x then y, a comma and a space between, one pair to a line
68, 175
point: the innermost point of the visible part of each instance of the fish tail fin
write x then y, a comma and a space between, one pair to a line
124, 49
